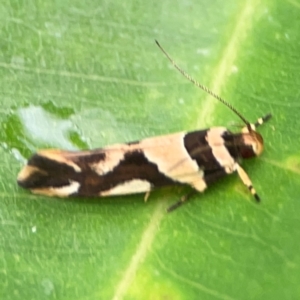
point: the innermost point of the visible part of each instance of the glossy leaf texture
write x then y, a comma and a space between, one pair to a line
85, 74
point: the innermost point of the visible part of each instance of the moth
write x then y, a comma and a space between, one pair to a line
197, 159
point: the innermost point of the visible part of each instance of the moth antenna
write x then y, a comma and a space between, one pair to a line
204, 88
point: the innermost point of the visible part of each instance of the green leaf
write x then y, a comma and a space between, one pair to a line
84, 74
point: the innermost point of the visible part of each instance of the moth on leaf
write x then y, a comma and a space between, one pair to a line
196, 159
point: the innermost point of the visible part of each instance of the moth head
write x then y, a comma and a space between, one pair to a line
253, 140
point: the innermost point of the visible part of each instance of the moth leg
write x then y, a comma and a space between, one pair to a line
180, 201
200, 185
146, 196
262, 120
247, 182
259, 122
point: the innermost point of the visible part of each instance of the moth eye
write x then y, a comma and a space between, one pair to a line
247, 151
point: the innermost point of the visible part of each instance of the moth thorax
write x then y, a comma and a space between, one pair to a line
254, 142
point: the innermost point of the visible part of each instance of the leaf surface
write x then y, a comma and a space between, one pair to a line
87, 74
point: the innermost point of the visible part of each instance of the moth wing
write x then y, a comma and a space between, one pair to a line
117, 169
